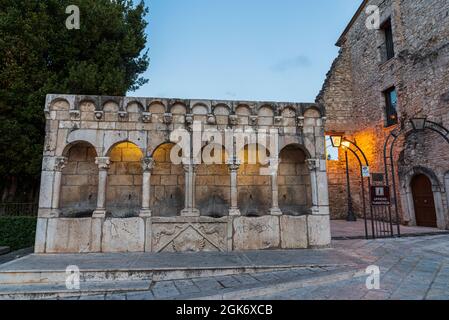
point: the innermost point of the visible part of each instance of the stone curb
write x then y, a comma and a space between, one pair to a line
285, 285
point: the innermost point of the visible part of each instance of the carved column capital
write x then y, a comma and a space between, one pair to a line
233, 166
189, 166
300, 122
103, 163
313, 164
148, 164
274, 163
60, 163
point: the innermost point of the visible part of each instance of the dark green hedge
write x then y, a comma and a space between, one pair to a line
17, 232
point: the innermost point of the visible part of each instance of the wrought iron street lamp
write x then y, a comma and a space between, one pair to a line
339, 142
418, 124
336, 141
351, 217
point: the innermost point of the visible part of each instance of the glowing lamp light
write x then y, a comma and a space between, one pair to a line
346, 144
336, 141
418, 124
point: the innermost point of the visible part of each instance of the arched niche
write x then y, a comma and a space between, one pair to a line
222, 112
254, 181
124, 187
157, 110
79, 183
289, 117
167, 183
266, 115
243, 112
213, 182
294, 184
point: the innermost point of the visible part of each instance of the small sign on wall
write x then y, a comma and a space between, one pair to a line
365, 172
380, 196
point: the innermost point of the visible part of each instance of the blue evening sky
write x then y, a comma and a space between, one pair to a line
273, 50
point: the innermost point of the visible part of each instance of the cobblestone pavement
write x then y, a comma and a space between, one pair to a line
411, 268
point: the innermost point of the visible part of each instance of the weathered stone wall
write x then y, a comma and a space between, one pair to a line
124, 188
146, 201
213, 184
167, 180
255, 189
294, 182
79, 182
418, 72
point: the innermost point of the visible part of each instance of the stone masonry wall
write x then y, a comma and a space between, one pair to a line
167, 200
79, 182
418, 72
124, 188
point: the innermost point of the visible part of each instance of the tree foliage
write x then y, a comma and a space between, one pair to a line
39, 55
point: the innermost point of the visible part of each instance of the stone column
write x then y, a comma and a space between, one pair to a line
313, 165
103, 167
147, 166
234, 166
60, 163
189, 207
274, 166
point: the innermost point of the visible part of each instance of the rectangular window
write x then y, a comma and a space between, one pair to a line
389, 44
391, 99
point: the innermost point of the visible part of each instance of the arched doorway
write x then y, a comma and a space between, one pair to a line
424, 202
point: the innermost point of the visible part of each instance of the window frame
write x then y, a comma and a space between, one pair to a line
390, 108
389, 47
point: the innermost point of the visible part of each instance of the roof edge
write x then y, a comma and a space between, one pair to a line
354, 18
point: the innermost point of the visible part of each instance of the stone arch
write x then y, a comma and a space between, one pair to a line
213, 181
79, 183
407, 195
221, 109
288, 114
111, 106
178, 108
294, 181
157, 109
243, 110
119, 137
130, 106
167, 183
253, 180
296, 141
60, 104
124, 187
266, 115
77, 136
200, 109
86, 101
312, 112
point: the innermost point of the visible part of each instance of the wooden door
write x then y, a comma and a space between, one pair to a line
424, 202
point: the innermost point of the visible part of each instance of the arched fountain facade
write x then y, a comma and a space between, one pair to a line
144, 174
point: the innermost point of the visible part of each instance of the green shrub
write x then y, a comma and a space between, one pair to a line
17, 232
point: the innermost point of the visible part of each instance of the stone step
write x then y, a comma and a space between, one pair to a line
161, 274
267, 289
59, 290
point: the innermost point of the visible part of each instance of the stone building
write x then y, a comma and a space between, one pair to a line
382, 78
109, 182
